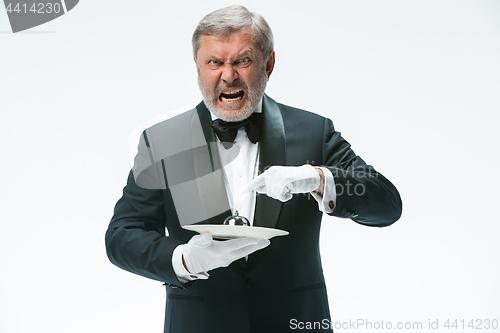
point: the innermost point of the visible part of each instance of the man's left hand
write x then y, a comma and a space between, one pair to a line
280, 182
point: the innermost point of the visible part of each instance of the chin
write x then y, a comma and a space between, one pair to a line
233, 115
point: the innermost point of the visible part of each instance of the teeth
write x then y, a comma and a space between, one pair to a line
224, 99
225, 95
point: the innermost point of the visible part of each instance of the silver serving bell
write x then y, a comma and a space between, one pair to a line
236, 220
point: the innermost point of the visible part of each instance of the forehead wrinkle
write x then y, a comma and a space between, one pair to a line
238, 37
246, 33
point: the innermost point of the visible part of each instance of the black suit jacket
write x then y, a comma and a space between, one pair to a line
280, 283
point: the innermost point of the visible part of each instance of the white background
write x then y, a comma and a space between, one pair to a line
412, 85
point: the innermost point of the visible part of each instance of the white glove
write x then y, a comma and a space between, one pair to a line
279, 182
202, 254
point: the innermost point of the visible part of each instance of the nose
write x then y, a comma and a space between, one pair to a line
229, 74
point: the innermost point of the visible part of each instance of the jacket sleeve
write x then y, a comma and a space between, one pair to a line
363, 194
136, 240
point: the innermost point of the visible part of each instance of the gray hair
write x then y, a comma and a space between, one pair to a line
228, 20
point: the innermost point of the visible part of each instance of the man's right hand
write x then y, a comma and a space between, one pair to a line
202, 253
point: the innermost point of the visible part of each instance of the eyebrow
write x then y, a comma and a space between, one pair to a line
245, 53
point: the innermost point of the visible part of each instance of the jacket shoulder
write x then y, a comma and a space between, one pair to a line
292, 114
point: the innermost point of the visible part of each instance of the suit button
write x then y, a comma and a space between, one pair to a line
248, 283
331, 204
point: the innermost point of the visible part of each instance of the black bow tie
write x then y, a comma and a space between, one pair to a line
227, 131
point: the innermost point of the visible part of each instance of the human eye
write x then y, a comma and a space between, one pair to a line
214, 62
244, 61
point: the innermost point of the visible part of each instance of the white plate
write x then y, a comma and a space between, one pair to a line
236, 231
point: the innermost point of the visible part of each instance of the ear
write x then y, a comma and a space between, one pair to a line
270, 64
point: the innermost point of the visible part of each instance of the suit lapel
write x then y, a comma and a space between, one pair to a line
206, 121
272, 152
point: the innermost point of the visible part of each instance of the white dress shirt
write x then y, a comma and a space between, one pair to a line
237, 174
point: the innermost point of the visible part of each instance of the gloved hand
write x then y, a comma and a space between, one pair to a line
280, 182
202, 253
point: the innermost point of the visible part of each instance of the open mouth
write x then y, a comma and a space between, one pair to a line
232, 96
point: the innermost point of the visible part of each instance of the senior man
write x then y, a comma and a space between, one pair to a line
246, 284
